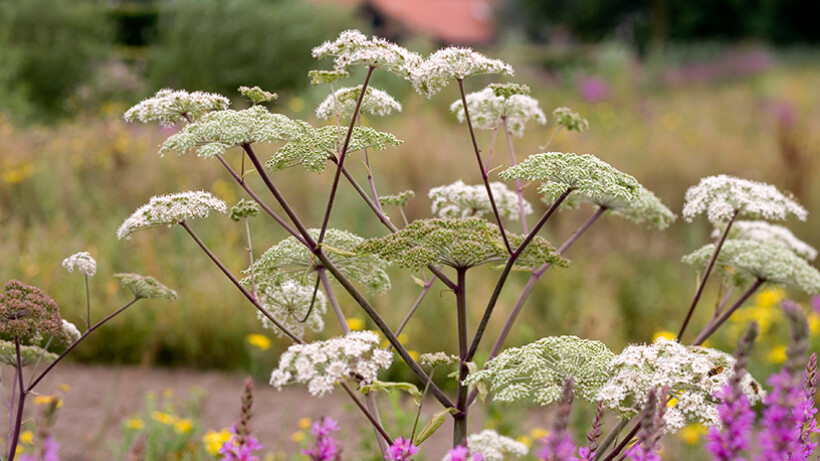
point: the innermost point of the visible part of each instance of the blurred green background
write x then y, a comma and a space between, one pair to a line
673, 92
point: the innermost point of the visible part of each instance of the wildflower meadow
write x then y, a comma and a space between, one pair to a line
332, 290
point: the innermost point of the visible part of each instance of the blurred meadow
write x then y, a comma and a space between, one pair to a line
71, 170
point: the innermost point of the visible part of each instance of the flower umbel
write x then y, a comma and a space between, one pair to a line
353, 48
492, 104
167, 210
720, 197
169, 107
27, 313
763, 231
343, 102
145, 287
453, 63
82, 262
459, 200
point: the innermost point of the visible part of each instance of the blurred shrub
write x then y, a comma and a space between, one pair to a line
48, 48
218, 45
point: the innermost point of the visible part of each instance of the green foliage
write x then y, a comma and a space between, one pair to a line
145, 287
48, 48
219, 45
29, 355
538, 370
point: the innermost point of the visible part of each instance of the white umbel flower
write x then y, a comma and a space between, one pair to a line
71, 330
693, 374
720, 197
459, 200
354, 48
487, 108
763, 231
169, 107
342, 103
82, 262
322, 363
167, 210
493, 447
451, 63
290, 303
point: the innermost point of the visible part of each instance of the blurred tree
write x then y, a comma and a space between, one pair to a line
218, 45
47, 49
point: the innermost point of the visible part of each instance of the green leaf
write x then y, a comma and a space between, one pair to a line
432, 426
387, 386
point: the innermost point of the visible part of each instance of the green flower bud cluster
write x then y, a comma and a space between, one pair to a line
145, 287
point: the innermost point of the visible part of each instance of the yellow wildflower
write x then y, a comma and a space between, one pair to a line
64, 387
47, 399
304, 423
692, 433
539, 433
355, 323
297, 436
526, 440
414, 354
258, 341
164, 418
777, 354
672, 402
213, 440
27, 437
134, 423
814, 324
183, 426
770, 297
664, 334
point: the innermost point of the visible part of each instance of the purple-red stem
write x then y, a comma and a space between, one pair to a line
21, 401
460, 418
709, 329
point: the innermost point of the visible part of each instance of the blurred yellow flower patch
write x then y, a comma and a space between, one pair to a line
258, 341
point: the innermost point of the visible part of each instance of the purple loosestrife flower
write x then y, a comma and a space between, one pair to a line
737, 417
462, 453
233, 451
558, 445
806, 410
646, 448
781, 428
401, 450
324, 449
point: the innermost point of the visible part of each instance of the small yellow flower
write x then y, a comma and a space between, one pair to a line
814, 324
664, 334
134, 423
355, 323
539, 433
777, 354
672, 402
164, 418
26, 437
47, 399
414, 354
526, 440
770, 297
692, 433
297, 436
213, 440
183, 426
304, 423
258, 341
64, 387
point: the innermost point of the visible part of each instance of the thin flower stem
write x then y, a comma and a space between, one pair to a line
77, 342
238, 285
519, 190
87, 305
709, 266
414, 307
21, 401
343, 155
460, 418
309, 242
709, 329
376, 425
549, 141
490, 151
536, 274
485, 319
484, 175
250, 256
370, 176
382, 326
241, 181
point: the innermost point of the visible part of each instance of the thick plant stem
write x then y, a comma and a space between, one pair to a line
238, 285
484, 175
485, 319
376, 425
460, 418
308, 240
599, 453
343, 155
709, 266
620, 447
21, 401
713, 326
374, 205
518, 188
331, 298
268, 210
77, 342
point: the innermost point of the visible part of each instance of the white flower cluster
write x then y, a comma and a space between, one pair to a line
647, 208
720, 197
459, 200
71, 330
434, 359
763, 231
218, 131
752, 259
171, 106
354, 48
564, 116
342, 103
538, 371
290, 302
492, 446
83, 262
451, 63
694, 375
321, 364
167, 210
487, 108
